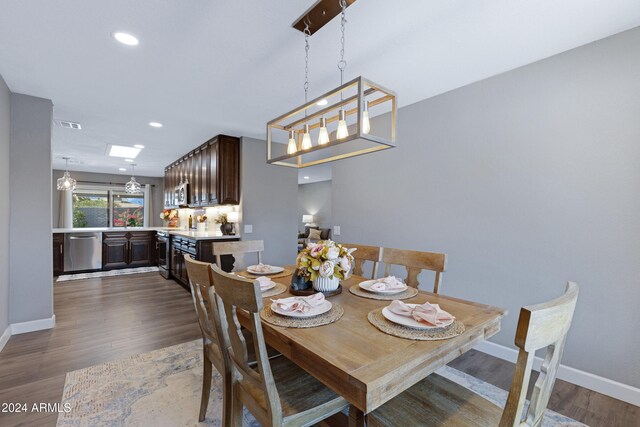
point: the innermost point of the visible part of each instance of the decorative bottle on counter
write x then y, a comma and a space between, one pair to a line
190, 222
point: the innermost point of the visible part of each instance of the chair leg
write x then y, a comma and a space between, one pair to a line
206, 386
237, 407
227, 400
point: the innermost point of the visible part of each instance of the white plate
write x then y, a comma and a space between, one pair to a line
409, 321
315, 311
271, 285
366, 285
274, 270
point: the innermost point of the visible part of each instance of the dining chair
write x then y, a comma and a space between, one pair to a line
278, 392
234, 248
362, 254
415, 262
206, 306
437, 401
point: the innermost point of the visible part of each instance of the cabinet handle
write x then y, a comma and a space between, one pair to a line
60, 249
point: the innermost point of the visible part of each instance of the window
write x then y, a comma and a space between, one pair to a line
107, 207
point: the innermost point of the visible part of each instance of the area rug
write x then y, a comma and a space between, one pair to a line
162, 388
122, 272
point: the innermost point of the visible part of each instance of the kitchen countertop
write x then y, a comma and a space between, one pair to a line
190, 234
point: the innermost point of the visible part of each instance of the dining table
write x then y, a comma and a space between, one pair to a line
365, 365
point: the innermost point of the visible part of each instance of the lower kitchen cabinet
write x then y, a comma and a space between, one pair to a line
58, 254
122, 249
201, 250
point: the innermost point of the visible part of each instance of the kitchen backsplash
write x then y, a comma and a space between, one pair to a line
211, 213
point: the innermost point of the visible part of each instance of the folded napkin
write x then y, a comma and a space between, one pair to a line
299, 304
264, 282
262, 268
387, 284
427, 313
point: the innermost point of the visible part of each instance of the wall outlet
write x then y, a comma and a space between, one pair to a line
336, 230
248, 229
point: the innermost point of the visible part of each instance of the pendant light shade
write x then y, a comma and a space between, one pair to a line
66, 183
133, 186
306, 138
292, 147
343, 131
323, 136
366, 126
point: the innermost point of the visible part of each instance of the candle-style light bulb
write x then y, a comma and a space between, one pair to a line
306, 138
292, 147
366, 126
343, 132
323, 136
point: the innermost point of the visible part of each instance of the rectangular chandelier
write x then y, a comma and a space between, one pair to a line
334, 126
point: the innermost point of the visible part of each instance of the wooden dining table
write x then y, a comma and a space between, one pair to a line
365, 365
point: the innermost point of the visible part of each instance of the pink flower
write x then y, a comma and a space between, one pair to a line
326, 269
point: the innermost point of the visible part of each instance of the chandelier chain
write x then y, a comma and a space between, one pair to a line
307, 33
342, 64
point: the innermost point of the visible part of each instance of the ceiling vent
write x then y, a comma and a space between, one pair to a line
68, 125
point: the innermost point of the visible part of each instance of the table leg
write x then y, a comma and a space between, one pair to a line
357, 418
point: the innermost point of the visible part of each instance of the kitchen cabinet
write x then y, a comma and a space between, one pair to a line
200, 250
58, 254
213, 172
121, 249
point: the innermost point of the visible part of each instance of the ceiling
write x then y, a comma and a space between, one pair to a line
209, 67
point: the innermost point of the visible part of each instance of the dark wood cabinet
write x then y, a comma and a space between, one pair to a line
122, 249
213, 172
200, 250
58, 254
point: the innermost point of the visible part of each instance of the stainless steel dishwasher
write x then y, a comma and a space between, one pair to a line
82, 251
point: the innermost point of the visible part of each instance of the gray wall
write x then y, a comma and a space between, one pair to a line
5, 140
104, 178
30, 263
526, 180
269, 203
315, 199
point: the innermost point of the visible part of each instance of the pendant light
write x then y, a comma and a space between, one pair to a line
66, 183
348, 103
323, 136
133, 186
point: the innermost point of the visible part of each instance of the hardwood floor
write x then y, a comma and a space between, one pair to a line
100, 320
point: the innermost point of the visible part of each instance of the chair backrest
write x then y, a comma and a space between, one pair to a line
365, 253
539, 326
232, 248
415, 262
237, 293
206, 307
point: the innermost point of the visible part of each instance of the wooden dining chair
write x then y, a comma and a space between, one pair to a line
278, 392
437, 401
362, 254
415, 262
206, 306
235, 248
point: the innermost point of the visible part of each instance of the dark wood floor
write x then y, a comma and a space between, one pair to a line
100, 320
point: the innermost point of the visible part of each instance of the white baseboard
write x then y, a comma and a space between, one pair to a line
33, 325
5, 337
584, 379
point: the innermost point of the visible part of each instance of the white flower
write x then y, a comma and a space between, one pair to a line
333, 253
326, 269
345, 264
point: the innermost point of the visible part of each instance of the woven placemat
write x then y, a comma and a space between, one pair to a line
408, 293
378, 320
330, 316
280, 288
247, 275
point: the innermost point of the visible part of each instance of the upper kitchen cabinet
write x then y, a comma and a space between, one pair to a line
213, 173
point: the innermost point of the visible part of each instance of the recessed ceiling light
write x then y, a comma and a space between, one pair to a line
322, 102
155, 124
140, 146
122, 169
306, 177
126, 38
128, 160
123, 151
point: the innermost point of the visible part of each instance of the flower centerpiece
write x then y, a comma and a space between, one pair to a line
170, 215
325, 263
201, 222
